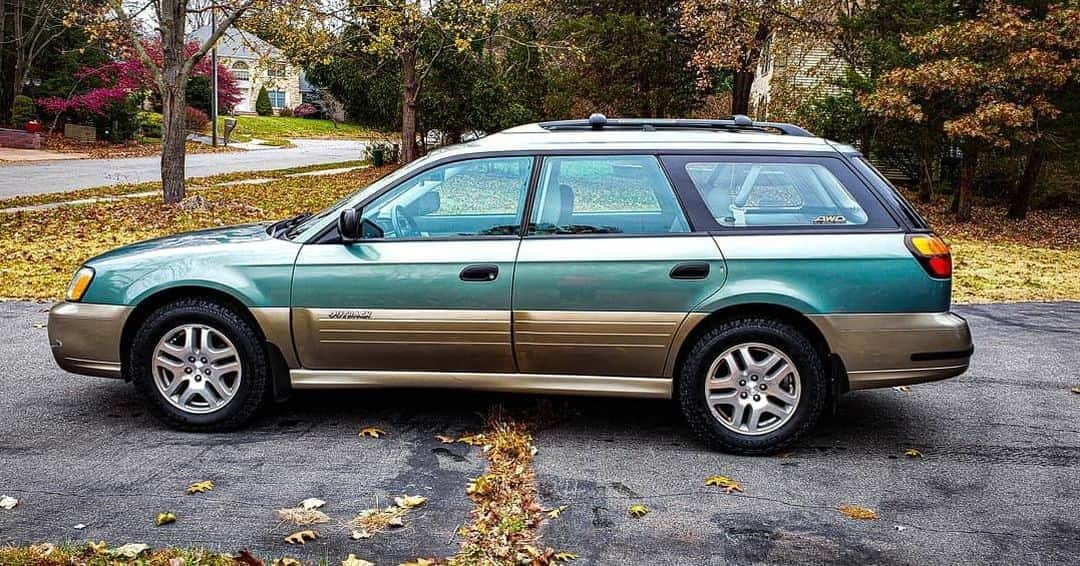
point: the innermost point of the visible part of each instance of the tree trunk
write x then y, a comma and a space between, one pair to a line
740, 92
172, 143
409, 90
1021, 197
744, 75
926, 178
962, 199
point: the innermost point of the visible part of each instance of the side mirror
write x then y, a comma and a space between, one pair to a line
349, 225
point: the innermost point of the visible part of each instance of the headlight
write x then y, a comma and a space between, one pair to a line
79, 283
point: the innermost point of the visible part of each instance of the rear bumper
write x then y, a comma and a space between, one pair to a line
886, 350
85, 338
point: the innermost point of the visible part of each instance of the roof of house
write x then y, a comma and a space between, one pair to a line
238, 44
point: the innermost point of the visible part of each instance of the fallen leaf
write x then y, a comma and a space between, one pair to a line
300, 537
352, 560
359, 534
8, 502
638, 510
44, 549
554, 513
410, 501
565, 556
303, 517
903, 388
729, 485
247, 559
472, 439
98, 547
164, 518
287, 561
312, 503
912, 453
419, 562
1075, 390
445, 439
200, 487
371, 432
130, 550
859, 513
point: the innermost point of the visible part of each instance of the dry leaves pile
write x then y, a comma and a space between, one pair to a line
106, 150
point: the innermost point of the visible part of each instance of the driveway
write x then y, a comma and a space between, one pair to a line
999, 481
72, 174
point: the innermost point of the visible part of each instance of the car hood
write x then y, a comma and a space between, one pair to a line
211, 237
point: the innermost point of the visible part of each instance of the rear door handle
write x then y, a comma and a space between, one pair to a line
690, 270
480, 273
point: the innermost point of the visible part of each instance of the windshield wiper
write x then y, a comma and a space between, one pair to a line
286, 226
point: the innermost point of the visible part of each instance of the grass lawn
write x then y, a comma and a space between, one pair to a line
995, 259
276, 129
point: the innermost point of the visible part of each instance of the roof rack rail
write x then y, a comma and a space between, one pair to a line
738, 122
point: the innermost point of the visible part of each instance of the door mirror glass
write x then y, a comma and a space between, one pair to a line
349, 225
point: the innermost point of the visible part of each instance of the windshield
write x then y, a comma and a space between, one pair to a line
377, 185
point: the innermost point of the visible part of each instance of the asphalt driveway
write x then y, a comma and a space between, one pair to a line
999, 483
71, 174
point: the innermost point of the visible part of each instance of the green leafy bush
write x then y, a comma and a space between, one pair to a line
199, 93
22, 111
262, 103
150, 124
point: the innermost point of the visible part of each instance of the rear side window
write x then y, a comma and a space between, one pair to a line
888, 190
605, 194
782, 192
773, 194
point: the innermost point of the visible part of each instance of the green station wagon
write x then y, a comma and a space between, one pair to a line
750, 271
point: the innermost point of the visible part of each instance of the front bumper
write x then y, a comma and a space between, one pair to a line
886, 350
85, 338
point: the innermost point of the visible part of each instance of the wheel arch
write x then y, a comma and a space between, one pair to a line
833, 364
160, 298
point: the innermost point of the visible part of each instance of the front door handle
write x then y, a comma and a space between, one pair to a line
690, 270
480, 273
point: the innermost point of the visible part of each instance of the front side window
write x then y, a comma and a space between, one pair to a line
277, 98
757, 193
479, 197
605, 194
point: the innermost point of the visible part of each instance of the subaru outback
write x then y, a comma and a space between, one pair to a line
748, 270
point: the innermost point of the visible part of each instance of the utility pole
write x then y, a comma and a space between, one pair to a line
213, 81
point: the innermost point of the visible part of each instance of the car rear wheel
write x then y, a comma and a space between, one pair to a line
752, 386
200, 365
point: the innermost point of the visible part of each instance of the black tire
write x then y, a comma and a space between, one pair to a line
692, 375
254, 386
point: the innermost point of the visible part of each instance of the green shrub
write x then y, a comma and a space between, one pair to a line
198, 93
262, 103
150, 123
118, 122
22, 111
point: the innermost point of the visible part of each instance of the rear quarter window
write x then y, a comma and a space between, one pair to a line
781, 192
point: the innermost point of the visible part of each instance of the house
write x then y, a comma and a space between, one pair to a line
789, 68
256, 64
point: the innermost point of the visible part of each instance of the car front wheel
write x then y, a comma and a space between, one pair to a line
200, 365
752, 386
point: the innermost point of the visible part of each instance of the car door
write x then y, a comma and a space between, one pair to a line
429, 286
608, 269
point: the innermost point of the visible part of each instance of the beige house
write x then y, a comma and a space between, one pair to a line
256, 64
788, 68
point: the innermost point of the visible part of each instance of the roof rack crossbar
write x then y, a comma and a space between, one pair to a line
737, 122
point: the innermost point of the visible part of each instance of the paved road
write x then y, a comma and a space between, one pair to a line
1000, 481
72, 174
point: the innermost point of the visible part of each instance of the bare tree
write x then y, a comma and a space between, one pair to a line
27, 28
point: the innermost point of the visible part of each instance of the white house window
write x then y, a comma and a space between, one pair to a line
241, 71
277, 98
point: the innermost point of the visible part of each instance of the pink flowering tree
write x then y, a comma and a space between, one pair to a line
98, 88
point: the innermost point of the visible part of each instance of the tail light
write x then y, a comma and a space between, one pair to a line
932, 252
